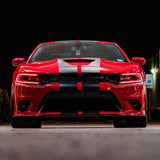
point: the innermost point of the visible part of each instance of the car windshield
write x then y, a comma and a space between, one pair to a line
107, 51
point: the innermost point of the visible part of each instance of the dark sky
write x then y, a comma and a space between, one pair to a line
135, 26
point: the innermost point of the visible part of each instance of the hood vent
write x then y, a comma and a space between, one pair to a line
78, 60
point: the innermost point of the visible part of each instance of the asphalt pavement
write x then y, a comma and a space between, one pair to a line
80, 141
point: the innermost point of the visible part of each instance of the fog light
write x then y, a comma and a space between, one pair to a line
135, 104
23, 105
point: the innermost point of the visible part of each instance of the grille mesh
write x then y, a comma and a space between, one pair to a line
111, 78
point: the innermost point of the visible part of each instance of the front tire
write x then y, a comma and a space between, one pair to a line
26, 122
130, 122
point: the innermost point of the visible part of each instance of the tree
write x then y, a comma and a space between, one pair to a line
4, 105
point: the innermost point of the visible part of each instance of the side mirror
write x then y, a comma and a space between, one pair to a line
139, 60
17, 61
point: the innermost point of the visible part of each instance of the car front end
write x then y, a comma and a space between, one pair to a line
79, 87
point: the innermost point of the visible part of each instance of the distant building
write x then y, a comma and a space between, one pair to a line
154, 68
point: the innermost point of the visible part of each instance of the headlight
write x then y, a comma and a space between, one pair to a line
127, 78
28, 78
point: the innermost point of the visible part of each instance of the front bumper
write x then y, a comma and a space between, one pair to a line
86, 93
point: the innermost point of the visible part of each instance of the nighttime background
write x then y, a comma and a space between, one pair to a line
135, 26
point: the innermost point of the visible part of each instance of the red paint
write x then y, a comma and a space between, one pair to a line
79, 112
79, 69
111, 113
107, 42
103, 86
79, 86
56, 113
56, 86
51, 113
47, 42
77, 40
111, 67
103, 112
139, 60
17, 61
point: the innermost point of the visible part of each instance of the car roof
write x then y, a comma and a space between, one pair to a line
77, 41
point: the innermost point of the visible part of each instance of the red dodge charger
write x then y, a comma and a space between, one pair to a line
78, 79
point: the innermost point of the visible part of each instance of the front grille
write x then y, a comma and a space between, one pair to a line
93, 77
87, 102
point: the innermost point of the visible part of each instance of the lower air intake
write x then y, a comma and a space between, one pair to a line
71, 102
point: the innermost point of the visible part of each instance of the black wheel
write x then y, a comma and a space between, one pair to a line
120, 122
142, 122
130, 121
11, 106
26, 122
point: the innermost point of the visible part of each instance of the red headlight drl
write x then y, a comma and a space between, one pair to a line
28, 78
127, 78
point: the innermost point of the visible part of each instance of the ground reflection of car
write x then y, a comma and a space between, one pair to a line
78, 79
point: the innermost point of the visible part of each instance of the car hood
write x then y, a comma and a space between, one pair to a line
85, 65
